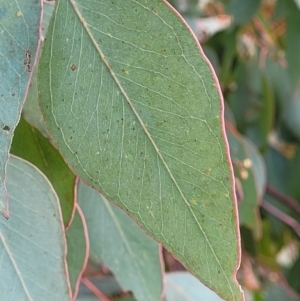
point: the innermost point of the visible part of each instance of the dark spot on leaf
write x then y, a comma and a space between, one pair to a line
13, 94
6, 128
73, 67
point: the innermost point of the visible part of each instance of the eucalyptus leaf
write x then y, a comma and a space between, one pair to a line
32, 241
19, 28
135, 109
31, 109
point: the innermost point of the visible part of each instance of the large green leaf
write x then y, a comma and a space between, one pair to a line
135, 110
32, 146
122, 246
19, 27
32, 243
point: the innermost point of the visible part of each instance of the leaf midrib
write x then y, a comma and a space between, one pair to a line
6, 247
102, 56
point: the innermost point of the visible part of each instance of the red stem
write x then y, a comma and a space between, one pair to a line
282, 216
288, 201
93, 288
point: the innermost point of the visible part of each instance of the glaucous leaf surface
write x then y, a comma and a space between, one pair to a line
19, 27
122, 246
31, 110
135, 109
185, 287
32, 241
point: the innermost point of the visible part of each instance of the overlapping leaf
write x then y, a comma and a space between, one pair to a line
32, 244
19, 27
250, 173
185, 287
122, 246
32, 146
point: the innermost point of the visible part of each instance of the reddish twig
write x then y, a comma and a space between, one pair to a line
288, 201
282, 216
93, 288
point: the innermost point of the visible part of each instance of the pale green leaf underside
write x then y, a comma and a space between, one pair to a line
32, 245
117, 242
19, 23
183, 286
134, 109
